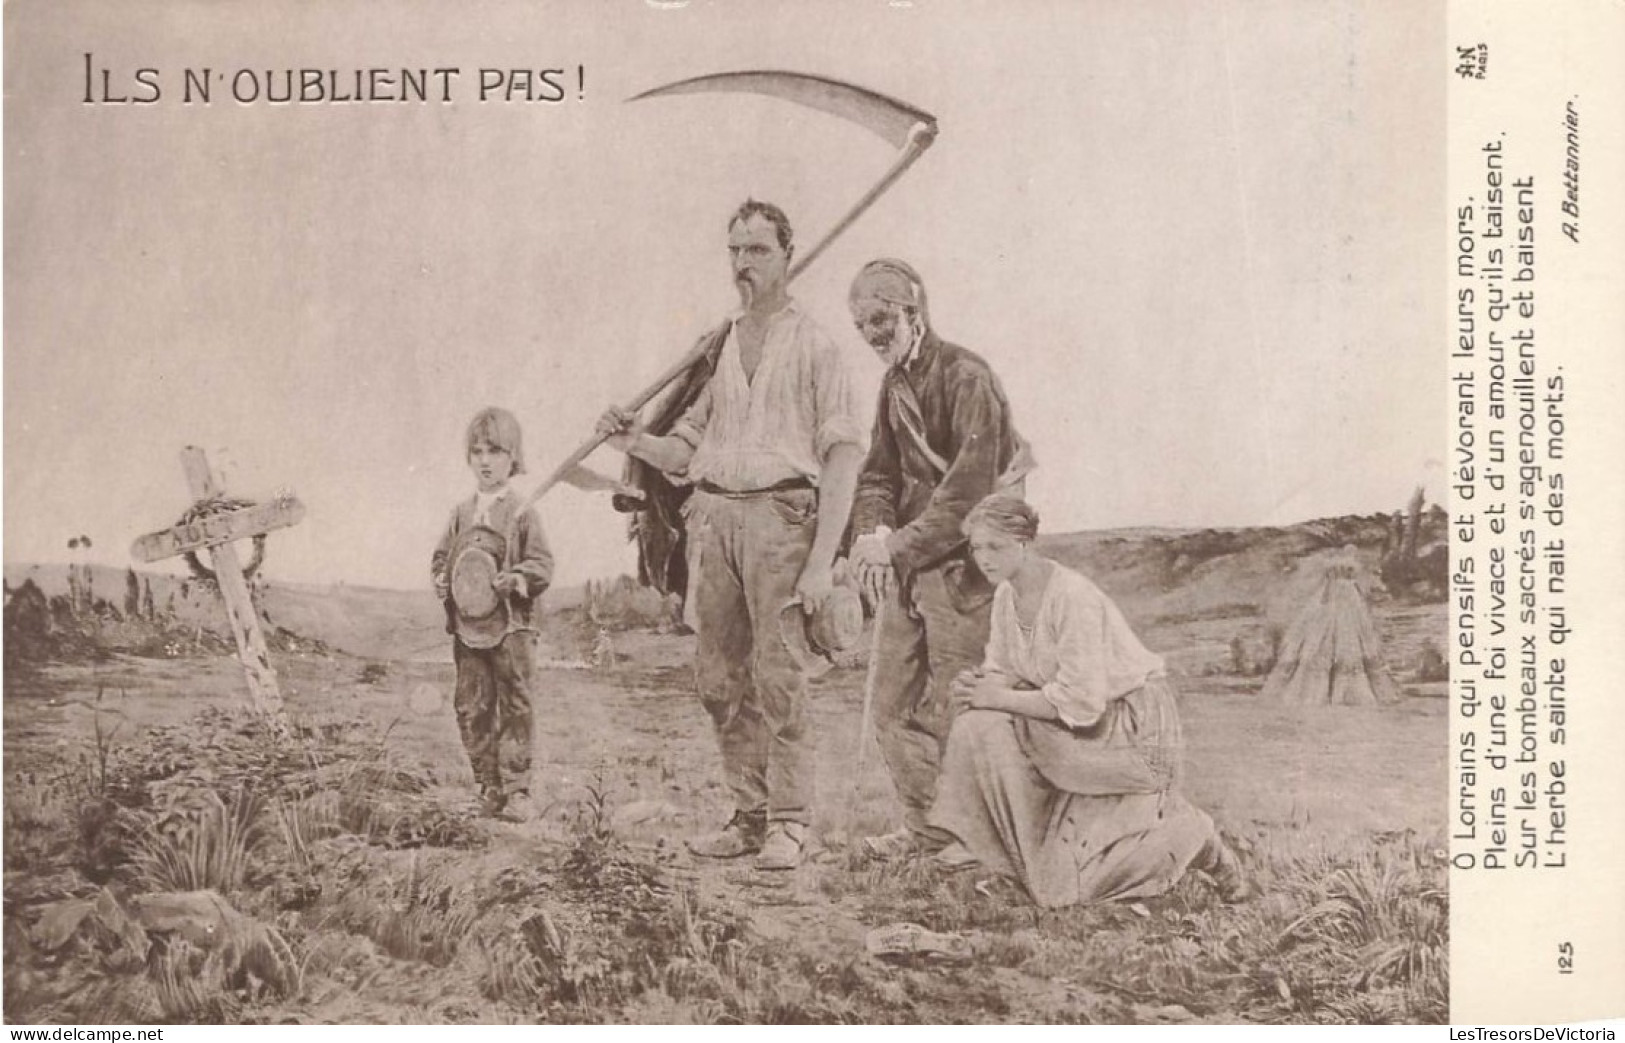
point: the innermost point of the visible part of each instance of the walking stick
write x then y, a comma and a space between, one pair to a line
865, 724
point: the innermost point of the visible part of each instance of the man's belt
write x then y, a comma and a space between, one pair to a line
788, 485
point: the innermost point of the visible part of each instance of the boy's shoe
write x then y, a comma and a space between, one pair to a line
492, 801
741, 836
785, 846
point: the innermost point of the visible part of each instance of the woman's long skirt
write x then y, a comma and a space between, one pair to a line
1130, 834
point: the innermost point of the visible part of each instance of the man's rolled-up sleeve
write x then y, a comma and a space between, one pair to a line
690, 427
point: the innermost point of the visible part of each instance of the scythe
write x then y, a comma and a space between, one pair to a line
909, 129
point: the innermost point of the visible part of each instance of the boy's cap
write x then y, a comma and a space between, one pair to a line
482, 621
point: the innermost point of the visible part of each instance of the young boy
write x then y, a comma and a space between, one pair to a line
489, 568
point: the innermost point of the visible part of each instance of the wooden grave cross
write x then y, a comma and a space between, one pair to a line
216, 532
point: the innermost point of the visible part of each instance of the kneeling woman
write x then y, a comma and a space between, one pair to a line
1062, 765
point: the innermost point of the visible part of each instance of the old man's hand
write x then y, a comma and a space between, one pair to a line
871, 560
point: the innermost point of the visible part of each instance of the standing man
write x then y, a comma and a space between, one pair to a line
772, 445
942, 442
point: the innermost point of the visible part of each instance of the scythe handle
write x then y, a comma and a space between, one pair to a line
920, 138
871, 679
643, 398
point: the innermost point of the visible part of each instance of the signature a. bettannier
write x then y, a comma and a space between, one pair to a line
1571, 173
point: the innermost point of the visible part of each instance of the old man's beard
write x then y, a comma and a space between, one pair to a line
894, 344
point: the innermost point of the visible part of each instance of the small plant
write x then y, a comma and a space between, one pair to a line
620, 604
190, 985
1405, 567
424, 915
304, 823
507, 969
242, 962
592, 824
103, 733
209, 849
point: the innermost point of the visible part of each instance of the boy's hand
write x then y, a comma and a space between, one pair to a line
442, 587
509, 583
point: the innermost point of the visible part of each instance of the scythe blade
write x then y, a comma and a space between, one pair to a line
891, 120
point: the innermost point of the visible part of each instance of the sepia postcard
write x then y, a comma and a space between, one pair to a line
877, 512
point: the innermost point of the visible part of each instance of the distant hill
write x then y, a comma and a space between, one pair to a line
1183, 574
1157, 575
370, 622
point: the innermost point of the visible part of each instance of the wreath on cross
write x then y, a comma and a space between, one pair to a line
208, 509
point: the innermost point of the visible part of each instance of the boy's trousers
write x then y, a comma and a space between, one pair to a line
493, 702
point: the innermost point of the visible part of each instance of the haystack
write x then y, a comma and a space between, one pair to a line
1331, 653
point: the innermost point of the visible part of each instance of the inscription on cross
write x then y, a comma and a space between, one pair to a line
215, 532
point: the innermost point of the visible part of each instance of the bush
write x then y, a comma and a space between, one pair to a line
621, 604
1431, 664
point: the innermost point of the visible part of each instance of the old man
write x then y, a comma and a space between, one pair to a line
943, 441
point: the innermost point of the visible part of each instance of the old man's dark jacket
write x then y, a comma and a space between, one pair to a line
964, 420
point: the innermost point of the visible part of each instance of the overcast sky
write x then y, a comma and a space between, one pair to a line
1200, 243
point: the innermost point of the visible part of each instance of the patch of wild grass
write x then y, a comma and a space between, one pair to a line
228, 805
1344, 931
389, 808
1378, 928
393, 907
35, 809
215, 984
210, 849
421, 908
303, 824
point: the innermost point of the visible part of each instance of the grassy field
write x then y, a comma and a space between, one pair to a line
359, 885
